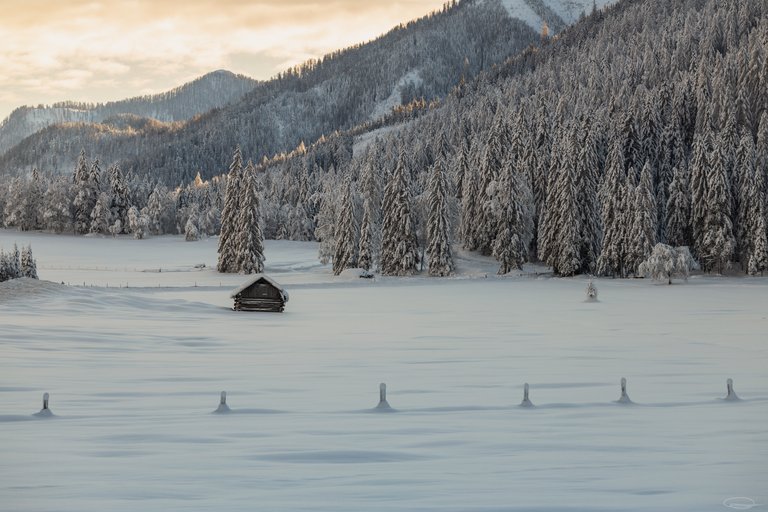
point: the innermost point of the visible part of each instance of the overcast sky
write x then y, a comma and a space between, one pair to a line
53, 50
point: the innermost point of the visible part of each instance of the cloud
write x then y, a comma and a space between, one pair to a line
109, 49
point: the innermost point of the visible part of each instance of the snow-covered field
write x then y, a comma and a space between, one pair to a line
135, 372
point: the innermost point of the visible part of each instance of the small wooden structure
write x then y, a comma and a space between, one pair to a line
260, 293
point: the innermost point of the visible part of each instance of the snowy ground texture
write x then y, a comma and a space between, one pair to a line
135, 372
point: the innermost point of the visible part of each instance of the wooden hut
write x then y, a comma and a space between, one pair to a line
260, 293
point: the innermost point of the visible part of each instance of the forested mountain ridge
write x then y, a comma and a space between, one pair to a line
213, 90
645, 123
424, 58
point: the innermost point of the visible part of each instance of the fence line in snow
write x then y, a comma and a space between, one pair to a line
384, 406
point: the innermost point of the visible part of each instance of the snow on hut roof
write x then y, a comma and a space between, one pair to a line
255, 279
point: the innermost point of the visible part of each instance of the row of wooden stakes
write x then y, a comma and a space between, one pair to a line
384, 406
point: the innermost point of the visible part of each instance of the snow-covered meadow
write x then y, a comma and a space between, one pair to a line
134, 371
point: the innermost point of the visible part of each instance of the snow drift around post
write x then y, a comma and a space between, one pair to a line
45, 412
383, 404
223, 408
731, 396
526, 403
624, 399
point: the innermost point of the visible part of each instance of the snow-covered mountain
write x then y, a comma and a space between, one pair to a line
421, 59
213, 90
425, 59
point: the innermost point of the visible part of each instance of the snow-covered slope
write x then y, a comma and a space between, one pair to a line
521, 10
571, 10
384, 107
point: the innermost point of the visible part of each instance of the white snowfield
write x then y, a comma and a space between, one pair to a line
568, 10
134, 375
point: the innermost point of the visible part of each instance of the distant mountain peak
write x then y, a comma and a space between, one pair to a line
212, 90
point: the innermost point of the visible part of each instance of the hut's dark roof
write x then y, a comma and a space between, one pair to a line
255, 279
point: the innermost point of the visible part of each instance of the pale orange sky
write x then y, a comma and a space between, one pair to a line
54, 50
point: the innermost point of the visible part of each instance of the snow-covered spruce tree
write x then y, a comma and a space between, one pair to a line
729, 138
88, 187
666, 263
138, 225
758, 259
613, 252
346, 233
4, 267
650, 131
101, 215
230, 216
32, 203
632, 149
438, 225
13, 210
159, 212
537, 166
717, 242
587, 173
679, 209
756, 219
515, 223
699, 168
761, 146
546, 243
561, 225
120, 201
191, 231
325, 232
644, 229
669, 160
14, 263
468, 224
249, 239
749, 196
94, 180
56, 206
399, 246
490, 167
28, 263
366, 250
460, 163
370, 188
83, 201
440, 148
304, 188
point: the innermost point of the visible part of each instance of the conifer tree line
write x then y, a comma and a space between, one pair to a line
108, 202
15, 264
645, 123
241, 242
